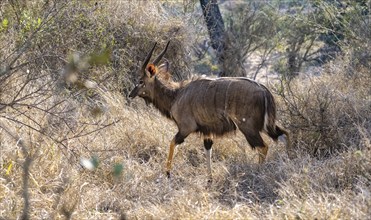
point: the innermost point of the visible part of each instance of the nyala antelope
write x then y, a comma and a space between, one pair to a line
212, 107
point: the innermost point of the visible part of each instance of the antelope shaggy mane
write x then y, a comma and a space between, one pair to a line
212, 107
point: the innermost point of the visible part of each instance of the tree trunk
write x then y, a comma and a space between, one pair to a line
215, 26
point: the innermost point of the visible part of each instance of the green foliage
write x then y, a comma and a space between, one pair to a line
28, 21
4, 24
305, 33
95, 161
249, 30
102, 58
117, 169
317, 33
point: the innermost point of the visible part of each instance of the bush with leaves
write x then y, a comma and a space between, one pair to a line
316, 33
249, 29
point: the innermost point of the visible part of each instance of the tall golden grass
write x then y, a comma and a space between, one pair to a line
129, 140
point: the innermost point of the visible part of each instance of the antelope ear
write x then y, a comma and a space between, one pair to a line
163, 71
164, 67
151, 69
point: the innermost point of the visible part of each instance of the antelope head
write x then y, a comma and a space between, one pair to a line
145, 83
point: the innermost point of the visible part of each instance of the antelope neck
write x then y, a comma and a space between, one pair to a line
163, 97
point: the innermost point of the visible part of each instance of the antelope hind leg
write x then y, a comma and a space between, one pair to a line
263, 151
256, 141
208, 144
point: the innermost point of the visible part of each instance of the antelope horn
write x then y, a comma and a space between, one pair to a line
161, 55
148, 57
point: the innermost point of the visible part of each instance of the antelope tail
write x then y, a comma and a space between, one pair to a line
274, 131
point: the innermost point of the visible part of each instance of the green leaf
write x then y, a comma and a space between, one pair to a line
95, 161
100, 58
5, 23
38, 22
117, 169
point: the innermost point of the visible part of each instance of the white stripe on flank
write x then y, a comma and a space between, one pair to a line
266, 114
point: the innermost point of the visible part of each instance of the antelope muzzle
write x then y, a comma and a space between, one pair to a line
134, 92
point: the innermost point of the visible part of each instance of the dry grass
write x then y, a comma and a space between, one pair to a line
306, 187
330, 113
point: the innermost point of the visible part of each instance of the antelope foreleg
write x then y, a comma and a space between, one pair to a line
178, 139
170, 157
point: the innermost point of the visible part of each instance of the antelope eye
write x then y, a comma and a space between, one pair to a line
141, 82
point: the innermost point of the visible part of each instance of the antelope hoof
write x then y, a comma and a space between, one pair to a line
168, 174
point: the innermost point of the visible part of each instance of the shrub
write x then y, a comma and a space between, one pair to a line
330, 112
